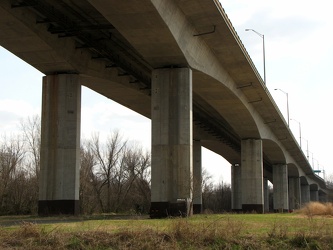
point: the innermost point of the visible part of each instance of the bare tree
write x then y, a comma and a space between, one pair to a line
116, 172
31, 128
11, 157
134, 169
90, 191
107, 159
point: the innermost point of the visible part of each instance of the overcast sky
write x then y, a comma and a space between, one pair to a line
299, 52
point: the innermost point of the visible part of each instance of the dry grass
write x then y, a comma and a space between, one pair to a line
271, 231
317, 208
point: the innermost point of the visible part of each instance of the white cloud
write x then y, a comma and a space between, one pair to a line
12, 112
104, 116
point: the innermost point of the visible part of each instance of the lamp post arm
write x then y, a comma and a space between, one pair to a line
261, 35
263, 48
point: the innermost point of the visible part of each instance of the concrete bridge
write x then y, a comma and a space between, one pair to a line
179, 63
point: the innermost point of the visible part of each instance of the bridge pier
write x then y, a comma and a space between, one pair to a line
252, 176
172, 162
294, 193
197, 177
305, 194
322, 197
236, 188
60, 145
266, 195
314, 195
280, 188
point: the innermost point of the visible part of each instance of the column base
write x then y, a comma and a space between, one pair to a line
58, 207
250, 208
167, 209
197, 208
280, 210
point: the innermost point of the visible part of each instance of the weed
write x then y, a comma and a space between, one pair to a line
278, 230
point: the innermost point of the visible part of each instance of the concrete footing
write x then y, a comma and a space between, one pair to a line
58, 207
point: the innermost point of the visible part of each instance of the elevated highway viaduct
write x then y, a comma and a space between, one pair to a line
178, 62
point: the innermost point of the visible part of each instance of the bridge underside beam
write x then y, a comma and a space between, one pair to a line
60, 145
172, 162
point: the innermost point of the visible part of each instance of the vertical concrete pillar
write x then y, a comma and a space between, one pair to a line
305, 194
314, 195
280, 188
197, 178
266, 195
294, 193
172, 161
60, 145
236, 188
252, 176
322, 197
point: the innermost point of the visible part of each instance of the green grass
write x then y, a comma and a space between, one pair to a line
224, 231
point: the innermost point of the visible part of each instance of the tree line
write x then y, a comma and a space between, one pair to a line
114, 175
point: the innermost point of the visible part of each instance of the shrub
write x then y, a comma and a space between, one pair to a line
317, 208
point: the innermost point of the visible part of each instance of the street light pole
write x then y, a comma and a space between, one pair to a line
307, 149
287, 103
300, 133
263, 49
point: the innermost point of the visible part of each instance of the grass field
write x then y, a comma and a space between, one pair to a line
224, 231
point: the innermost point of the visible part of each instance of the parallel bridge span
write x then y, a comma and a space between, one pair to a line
180, 63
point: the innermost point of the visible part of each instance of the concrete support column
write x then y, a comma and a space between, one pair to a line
252, 176
322, 197
280, 188
305, 194
266, 196
172, 161
314, 195
236, 188
60, 145
294, 193
197, 178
